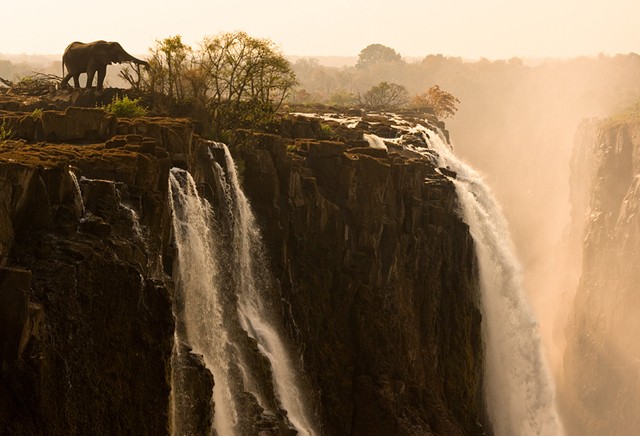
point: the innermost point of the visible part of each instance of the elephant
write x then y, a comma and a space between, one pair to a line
92, 57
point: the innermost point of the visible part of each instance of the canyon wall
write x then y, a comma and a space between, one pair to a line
600, 389
376, 274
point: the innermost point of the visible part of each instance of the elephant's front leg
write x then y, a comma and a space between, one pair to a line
102, 72
90, 74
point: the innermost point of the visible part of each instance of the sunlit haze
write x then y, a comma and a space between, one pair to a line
468, 28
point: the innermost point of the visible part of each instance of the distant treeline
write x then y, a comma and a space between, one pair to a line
15, 67
614, 78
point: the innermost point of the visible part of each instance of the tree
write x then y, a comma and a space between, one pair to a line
233, 78
444, 105
169, 61
376, 54
385, 95
248, 78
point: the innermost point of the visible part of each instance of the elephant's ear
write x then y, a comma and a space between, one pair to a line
100, 53
116, 53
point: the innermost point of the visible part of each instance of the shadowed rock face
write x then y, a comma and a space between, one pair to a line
377, 279
601, 390
380, 277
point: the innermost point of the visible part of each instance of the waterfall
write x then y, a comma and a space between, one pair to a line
255, 315
518, 389
197, 279
78, 197
375, 141
229, 296
132, 215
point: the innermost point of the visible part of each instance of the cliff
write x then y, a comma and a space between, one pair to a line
376, 271
600, 387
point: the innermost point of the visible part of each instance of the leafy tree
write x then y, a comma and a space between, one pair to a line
232, 79
246, 77
342, 98
376, 54
443, 103
385, 95
168, 63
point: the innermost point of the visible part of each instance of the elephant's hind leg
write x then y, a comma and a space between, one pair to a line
65, 81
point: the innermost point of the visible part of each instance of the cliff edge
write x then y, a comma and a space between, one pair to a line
376, 271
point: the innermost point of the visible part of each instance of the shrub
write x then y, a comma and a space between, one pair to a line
443, 103
231, 80
326, 132
126, 108
385, 96
5, 132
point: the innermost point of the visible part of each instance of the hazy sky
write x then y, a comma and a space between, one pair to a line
467, 28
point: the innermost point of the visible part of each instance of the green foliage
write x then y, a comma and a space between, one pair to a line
444, 104
36, 114
126, 108
343, 98
230, 81
375, 54
5, 132
385, 95
326, 132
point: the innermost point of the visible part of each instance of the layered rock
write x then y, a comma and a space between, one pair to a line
602, 358
377, 277
89, 328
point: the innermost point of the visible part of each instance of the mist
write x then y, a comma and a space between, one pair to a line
517, 123
528, 127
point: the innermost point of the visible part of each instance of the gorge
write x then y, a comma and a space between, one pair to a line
357, 310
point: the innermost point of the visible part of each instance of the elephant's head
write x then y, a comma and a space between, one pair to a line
113, 53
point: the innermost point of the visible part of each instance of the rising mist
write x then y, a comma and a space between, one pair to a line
517, 124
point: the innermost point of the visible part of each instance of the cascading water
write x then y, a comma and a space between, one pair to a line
197, 278
519, 392
375, 141
78, 197
220, 311
252, 279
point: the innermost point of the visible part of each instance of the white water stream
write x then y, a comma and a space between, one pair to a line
197, 278
78, 196
201, 258
252, 277
519, 391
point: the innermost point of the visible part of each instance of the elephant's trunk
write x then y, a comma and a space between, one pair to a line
126, 57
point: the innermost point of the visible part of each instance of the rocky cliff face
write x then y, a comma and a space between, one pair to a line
602, 357
376, 271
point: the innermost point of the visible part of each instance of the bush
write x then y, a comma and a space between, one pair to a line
126, 108
443, 103
385, 96
5, 132
232, 80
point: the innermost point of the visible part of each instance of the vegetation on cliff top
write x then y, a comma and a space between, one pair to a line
231, 80
126, 108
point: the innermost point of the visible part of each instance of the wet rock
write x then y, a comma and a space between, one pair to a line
78, 123
381, 279
14, 314
376, 274
601, 359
